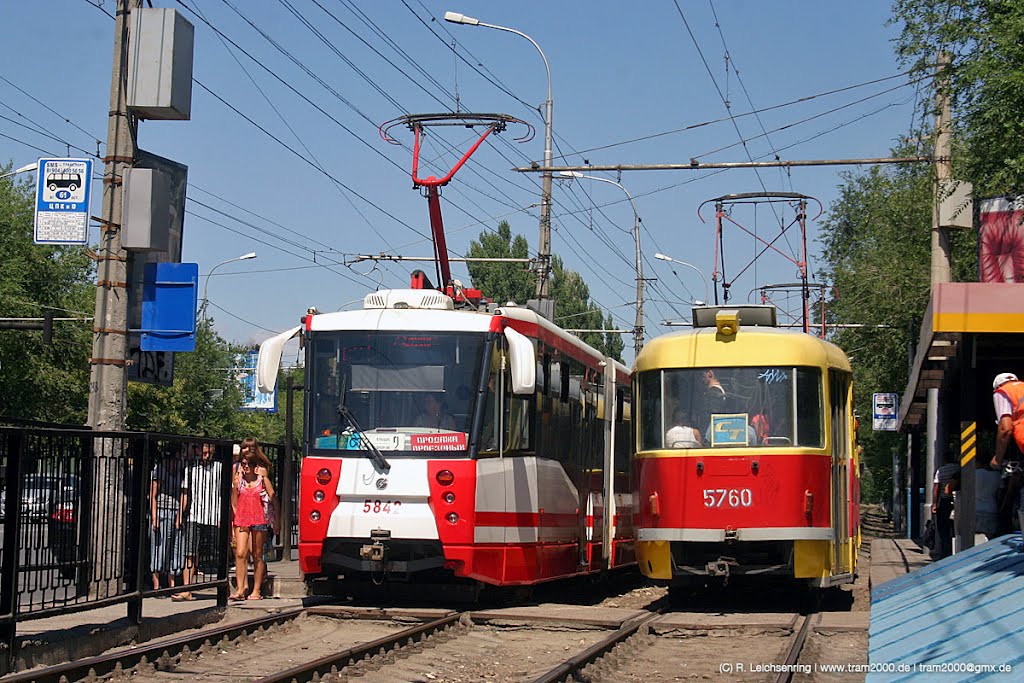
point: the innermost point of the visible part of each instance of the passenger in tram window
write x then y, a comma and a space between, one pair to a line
683, 434
945, 482
434, 413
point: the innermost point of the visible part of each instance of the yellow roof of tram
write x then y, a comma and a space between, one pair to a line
749, 347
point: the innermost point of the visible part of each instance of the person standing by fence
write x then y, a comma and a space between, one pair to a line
165, 511
201, 492
252, 499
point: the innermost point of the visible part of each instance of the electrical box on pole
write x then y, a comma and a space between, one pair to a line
145, 221
160, 65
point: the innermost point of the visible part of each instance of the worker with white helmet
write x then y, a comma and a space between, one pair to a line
1008, 401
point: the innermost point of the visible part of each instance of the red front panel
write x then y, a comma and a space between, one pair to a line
725, 492
313, 532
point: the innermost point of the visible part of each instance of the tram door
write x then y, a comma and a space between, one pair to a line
839, 395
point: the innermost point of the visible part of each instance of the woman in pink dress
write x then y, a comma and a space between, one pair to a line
251, 495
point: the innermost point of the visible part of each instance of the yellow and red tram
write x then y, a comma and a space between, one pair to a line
746, 461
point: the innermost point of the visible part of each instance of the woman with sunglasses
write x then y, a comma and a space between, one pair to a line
251, 496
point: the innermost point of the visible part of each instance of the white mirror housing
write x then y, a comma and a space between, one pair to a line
523, 360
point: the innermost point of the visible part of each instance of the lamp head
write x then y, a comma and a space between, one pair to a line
662, 257
457, 18
246, 257
571, 174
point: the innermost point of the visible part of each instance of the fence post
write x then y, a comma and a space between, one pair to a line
287, 489
223, 455
12, 542
139, 463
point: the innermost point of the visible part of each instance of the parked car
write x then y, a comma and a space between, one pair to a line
37, 494
62, 527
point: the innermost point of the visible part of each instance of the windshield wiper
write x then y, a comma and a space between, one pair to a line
350, 422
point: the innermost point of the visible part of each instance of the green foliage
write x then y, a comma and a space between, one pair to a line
504, 282
206, 396
574, 309
501, 282
42, 381
986, 81
876, 248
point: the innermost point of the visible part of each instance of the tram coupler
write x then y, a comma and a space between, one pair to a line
376, 550
721, 566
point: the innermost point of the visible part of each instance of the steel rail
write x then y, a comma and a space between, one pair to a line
336, 661
94, 667
795, 648
568, 668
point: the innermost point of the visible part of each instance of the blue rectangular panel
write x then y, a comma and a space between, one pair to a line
169, 295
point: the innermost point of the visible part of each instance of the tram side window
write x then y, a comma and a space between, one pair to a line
649, 400
809, 411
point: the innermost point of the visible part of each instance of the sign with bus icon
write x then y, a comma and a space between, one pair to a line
63, 190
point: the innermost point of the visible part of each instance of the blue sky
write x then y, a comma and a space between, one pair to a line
619, 72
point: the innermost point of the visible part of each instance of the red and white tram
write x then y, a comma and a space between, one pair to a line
445, 439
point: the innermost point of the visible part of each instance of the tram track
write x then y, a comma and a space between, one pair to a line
540, 644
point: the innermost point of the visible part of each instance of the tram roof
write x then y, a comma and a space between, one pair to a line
432, 320
750, 347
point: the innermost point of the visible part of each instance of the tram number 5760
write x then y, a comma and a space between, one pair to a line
732, 498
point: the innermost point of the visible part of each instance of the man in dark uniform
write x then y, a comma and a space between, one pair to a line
947, 480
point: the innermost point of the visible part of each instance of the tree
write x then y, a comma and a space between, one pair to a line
42, 381
986, 81
501, 282
513, 282
876, 248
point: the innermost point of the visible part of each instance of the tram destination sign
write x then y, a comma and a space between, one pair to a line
884, 408
63, 191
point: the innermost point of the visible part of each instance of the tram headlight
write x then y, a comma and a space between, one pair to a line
314, 516
318, 496
323, 476
452, 517
449, 497
445, 478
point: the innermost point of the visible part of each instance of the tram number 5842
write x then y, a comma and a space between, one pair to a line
732, 498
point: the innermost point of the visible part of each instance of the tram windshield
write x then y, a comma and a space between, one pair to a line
760, 407
398, 390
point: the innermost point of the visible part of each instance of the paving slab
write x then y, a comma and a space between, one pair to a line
350, 612
894, 557
834, 622
601, 617
700, 621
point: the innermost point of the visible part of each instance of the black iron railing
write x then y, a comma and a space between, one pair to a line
98, 518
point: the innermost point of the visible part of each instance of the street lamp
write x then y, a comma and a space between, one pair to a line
638, 325
544, 247
663, 257
243, 257
28, 168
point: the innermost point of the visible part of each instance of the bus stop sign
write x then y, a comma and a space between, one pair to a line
63, 190
885, 407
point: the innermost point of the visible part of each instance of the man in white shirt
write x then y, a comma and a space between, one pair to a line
202, 488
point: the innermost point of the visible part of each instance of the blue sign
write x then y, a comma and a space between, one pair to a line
169, 292
729, 430
63, 191
252, 398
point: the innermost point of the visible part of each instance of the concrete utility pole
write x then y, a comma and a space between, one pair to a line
108, 379
943, 152
941, 270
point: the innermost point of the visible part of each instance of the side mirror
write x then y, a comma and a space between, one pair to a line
523, 360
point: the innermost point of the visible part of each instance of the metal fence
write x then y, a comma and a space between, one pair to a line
98, 518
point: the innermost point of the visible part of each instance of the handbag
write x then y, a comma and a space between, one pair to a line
929, 534
274, 516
